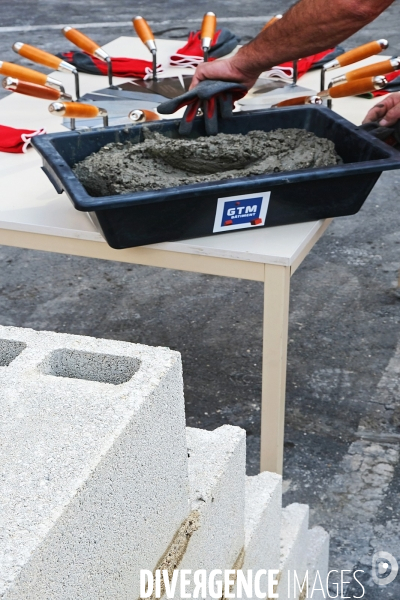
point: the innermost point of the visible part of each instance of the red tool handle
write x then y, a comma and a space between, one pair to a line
32, 89
293, 101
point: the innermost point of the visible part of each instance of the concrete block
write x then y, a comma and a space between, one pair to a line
293, 558
217, 461
317, 562
262, 521
94, 462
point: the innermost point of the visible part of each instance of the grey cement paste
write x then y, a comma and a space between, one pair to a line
160, 162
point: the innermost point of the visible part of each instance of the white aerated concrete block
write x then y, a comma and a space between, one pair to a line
317, 562
262, 521
217, 461
93, 469
293, 557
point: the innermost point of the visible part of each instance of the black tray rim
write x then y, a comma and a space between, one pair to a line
249, 184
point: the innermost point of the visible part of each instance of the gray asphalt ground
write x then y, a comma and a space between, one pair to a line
343, 398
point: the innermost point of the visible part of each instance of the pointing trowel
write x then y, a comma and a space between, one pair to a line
29, 75
48, 60
352, 88
88, 45
353, 56
32, 89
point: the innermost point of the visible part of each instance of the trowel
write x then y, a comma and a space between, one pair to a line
32, 89
121, 101
48, 60
207, 32
168, 87
88, 45
380, 68
268, 94
269, 90
29, 75
342, 90
353, 56
88, 116
261, 96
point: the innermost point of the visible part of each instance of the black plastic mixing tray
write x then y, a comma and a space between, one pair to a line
203, 209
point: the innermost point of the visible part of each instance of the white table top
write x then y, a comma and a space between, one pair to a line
30, 204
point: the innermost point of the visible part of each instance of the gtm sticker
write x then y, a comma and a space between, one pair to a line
241, 212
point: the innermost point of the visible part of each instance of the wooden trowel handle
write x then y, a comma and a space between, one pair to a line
143, 29
365, 51
81, 40
143, 115
208, 26
150, 115
380, 68
31, 89
298, 101
271, 22
359, 86
37, 55
12, 70
75, 110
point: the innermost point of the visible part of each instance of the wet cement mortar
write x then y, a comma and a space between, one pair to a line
157, 161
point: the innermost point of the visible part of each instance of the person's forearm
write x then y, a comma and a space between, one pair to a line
310, 26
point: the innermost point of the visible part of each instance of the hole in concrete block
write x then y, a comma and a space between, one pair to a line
9, 350
77, 364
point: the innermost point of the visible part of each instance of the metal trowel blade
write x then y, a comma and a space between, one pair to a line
187, 80
119, 107
136, 93
259, 101
268, 87
169, 87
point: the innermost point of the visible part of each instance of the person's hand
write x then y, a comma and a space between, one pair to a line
228, 69
212, 97
387, 112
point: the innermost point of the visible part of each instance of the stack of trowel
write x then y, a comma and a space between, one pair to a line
271, 91
120, 100
148, 93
